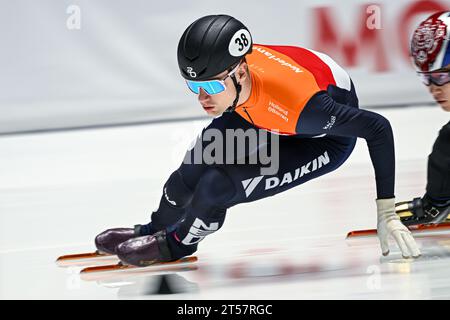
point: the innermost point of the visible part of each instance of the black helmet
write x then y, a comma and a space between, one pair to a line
211, 45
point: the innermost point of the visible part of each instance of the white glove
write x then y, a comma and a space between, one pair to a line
389, 224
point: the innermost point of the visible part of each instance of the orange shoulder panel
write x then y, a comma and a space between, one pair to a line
280, 90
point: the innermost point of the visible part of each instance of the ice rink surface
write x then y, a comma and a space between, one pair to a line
58, 190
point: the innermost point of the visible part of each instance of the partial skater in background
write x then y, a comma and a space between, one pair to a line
430, 50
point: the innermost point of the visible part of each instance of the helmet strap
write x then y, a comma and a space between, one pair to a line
238, 87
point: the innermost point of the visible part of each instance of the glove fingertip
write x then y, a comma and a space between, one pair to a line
384, 247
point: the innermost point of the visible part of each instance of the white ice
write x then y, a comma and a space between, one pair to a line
58, 190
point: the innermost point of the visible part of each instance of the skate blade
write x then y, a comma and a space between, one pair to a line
417, 229
91, 258
99, 272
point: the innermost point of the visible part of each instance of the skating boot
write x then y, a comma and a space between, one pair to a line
107, 241
144, 251
422, 211
159, 247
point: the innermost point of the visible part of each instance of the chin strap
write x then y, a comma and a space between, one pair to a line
238, 91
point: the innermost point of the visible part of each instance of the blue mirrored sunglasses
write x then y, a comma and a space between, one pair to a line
438, 78
211, 87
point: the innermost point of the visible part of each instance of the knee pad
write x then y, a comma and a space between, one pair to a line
207, 211
176, 192
214, 189
176, 196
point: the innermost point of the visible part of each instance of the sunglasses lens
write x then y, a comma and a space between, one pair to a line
210, 87
438, 78
214, 87
193, 86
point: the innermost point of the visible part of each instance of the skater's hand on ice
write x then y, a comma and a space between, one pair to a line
389, 224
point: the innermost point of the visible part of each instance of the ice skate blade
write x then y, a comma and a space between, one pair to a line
105, 271
418, 229
80, 259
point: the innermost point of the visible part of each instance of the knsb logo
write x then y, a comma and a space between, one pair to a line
198, 231
289, 177
191, 72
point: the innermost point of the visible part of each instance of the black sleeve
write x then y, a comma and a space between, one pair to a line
438, 174
322, 115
